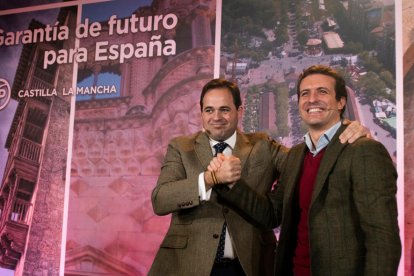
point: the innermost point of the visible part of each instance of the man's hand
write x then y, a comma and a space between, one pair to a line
227, 169
216, 162
353, 131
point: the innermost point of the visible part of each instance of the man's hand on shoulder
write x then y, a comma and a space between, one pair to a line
353, 131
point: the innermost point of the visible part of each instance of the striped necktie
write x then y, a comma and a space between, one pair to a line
219, 147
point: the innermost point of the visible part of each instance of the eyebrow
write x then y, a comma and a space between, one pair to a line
221, 106
318, 88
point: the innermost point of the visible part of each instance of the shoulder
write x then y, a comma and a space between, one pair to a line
367, 146
366, 142
255, 137
261, 141
186, 140
258, 140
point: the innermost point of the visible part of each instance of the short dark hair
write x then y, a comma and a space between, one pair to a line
340, 86
222, 83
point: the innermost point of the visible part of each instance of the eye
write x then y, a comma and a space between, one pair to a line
303, 93
208, 110
225, 110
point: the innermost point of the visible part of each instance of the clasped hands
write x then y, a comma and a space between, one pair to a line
223, 170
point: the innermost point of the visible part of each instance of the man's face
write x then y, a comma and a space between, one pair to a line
220, 115
318, 106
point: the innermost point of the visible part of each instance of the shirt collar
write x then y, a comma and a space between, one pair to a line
323, 140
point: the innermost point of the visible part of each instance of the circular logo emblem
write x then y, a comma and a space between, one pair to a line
4, 93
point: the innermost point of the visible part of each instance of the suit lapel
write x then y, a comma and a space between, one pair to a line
331, 154
242, 148
203, 149
294, 168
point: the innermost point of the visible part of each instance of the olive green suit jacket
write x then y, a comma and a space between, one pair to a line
190, 244
352, 223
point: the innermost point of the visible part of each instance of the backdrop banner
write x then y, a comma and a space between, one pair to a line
92, 91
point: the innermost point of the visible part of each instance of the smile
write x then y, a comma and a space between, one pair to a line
313, 110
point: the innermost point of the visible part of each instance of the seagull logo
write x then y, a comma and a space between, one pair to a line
4, 93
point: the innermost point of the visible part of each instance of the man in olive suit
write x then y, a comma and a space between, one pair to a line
199, 218
335, 202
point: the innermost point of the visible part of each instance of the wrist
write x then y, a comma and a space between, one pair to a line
208, 180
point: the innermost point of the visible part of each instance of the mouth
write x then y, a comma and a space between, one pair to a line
219, 125
314, 110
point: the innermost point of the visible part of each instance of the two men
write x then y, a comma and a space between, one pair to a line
198, 216
335, 202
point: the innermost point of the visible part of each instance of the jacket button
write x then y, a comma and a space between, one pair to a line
215, 236
226, 210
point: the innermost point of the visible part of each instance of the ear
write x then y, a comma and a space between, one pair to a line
201, 111
240, 112
341, 103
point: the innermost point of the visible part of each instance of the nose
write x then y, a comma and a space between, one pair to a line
217, 115
312, 96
